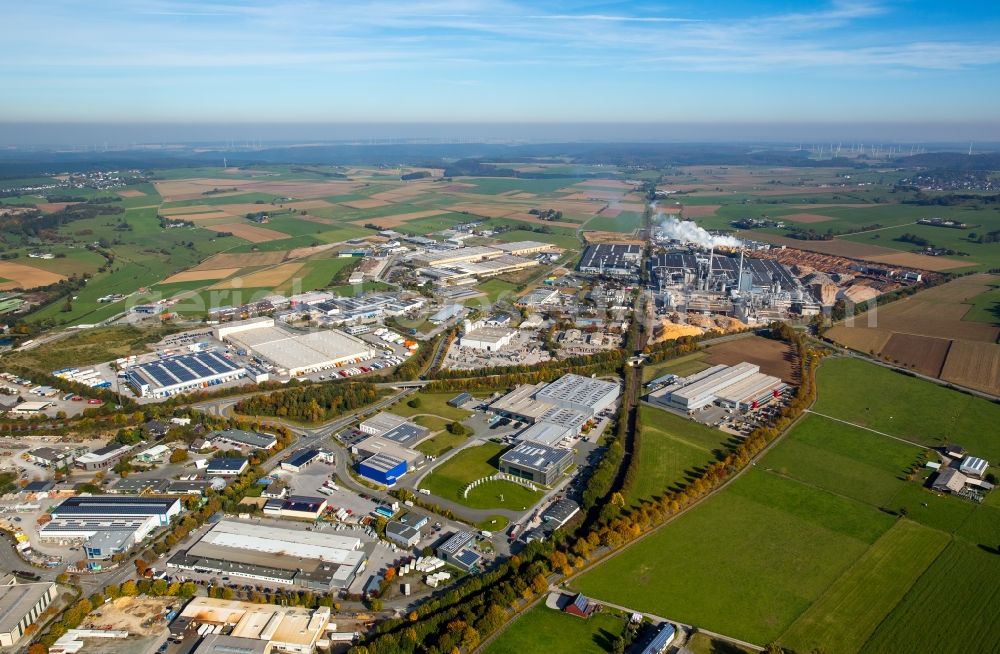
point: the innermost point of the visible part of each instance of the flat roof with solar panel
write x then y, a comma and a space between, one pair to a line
406, 434
579, 393
182, 373
113, 507
611, 259
535, 456
301, 458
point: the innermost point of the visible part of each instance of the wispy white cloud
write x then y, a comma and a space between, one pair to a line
843, 36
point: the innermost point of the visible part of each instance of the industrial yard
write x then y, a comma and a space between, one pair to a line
448, 306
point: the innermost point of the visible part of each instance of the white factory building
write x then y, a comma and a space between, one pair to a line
181, 373
321, 561
480, 336
580, 393
294, 353
107, 525
558, 411
742, 387
21, 605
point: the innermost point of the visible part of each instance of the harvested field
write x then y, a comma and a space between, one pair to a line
268, 278
610, 237
530, 218
365, 204
926, 333
488, 210
806, 218
837, 247
632, 206
131, 193
792, 190
830, 205
844, 248
252, 233
976, 365
52, 207
299, 253
862, 339
607, 183
922, 261
241, 209
697, 210
388, 222
194, 208
569, 206
244, 260
521, 195
774, 357
457, 187
925, 354
594, 195
309, 204
407, 192
199, 275
305, 190
188, 189
26, 277
203, 216
931, 315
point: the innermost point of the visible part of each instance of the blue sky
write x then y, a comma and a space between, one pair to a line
501, 61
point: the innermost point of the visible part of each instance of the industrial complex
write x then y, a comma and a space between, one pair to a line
182, 373
558, 411
741, 387
108, 525
748, 288
611, 260
292, 353
278, 628
321, 561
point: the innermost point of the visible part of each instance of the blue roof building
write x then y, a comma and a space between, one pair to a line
383, 468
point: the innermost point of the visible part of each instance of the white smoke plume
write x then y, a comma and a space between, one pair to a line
687, 232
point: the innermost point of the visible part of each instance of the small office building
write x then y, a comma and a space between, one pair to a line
537, 463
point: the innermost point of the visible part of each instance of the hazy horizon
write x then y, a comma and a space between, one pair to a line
119, 135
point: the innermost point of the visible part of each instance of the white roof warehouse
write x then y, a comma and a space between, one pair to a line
286, 556
299, 353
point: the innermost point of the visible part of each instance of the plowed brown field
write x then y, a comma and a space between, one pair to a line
774, 357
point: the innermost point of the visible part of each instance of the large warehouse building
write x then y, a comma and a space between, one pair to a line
22, 605
578, 393
742, 387
557, 411
108, 525
101, 507
611, 260
182, 373
321, 561
294, 353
